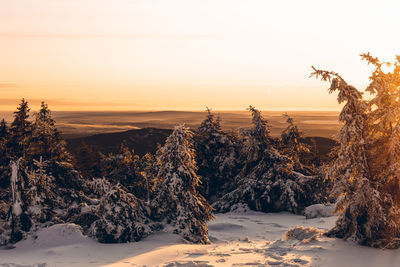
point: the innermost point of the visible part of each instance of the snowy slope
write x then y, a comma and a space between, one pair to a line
238, 239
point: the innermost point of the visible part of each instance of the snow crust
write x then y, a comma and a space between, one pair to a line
55, 236
238, 239
319, 210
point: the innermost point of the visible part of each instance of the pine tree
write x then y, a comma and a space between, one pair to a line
293, 147
220, 168
20, 131
148, 170
177, 201
121, 218
46, 141
4, 157
3, 130
18, 220
366, 165
124, 168
267, 182
41, 178
88, 161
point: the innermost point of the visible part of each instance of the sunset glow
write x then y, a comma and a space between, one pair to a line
185, 55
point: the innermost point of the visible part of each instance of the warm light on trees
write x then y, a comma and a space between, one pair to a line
367, 166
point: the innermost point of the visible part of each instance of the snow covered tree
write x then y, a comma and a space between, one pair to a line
293, 147
20, 131
125, 168
366, 165
177, 202
148, 171
267, 182
216, 157
46, 141
17, 222
122, 218
42, 181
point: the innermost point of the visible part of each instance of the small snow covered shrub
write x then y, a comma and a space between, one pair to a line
121, 218
177, 203
303, 234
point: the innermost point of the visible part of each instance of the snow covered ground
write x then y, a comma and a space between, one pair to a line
238, 239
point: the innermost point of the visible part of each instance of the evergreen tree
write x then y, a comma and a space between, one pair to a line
130, 171
216, 157
177, 201
20, 131
41, 178
148, 170
3, 130
89, 160
293, 147
366, 165
121, 218
16, 216
46, 141
267, 181
4, 157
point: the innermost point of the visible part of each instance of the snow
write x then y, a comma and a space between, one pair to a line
238, 239
319, 210
55, 236
16, 195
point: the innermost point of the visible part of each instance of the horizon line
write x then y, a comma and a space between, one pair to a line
188, 110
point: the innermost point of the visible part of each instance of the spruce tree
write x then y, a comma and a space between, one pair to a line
216, 157
366, 165
293, 147
267, 181
177, 202
46, 141
4, 157
3, 130
121, 217
20, 131
41, 178
124, 168
88, 161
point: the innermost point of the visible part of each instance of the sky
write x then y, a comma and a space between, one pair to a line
188, 54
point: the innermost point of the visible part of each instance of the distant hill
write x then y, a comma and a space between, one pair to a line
141, 140
146, 140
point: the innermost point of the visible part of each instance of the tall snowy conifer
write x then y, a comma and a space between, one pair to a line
267, 181
215, 156
292, 145
177, 202
46, 141
367, 162
20, 131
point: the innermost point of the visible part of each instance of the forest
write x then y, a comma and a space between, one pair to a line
125, 197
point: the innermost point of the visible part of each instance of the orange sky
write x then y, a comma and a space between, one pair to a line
187, 54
